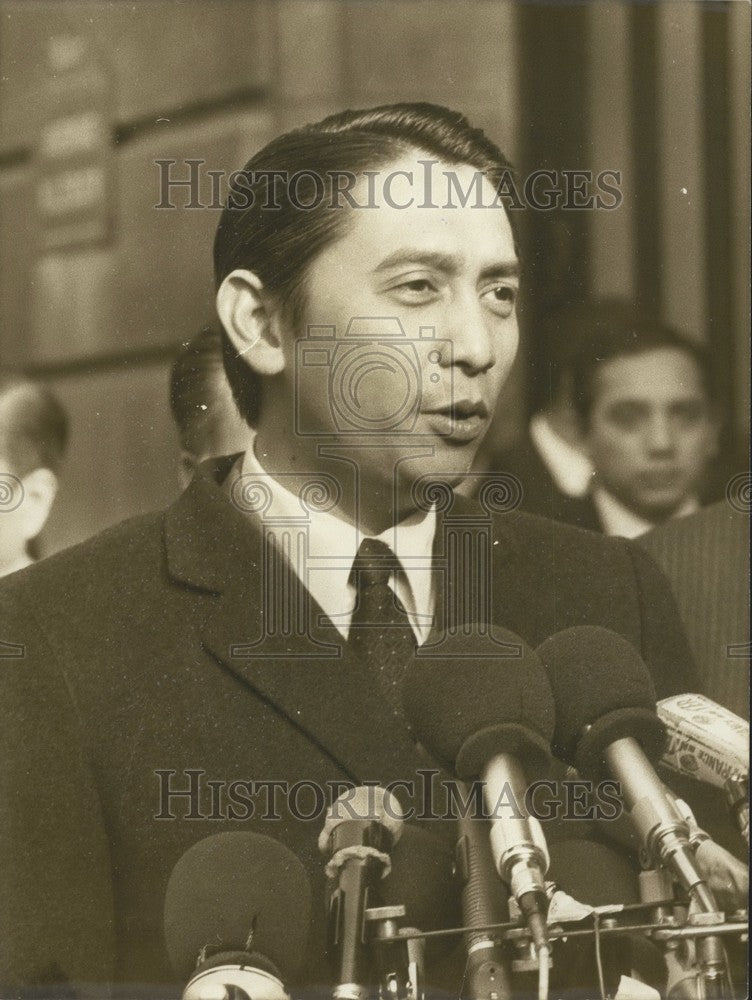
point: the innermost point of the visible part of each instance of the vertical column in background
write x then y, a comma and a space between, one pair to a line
612, 232
648, 219
309, 63
739, 146
681, 166
719, 244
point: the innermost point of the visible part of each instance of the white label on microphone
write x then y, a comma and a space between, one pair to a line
564, 907
706, 741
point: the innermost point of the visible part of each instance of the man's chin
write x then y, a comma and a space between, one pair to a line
655, 510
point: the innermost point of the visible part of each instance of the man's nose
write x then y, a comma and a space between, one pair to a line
660, 436
474, 347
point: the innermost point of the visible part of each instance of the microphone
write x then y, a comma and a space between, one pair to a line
360, 829
484, 902
710, 744
705, 741
478, 715
423, 880
606, 722
236, 916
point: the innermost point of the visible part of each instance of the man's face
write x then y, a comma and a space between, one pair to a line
449, 276
650, 433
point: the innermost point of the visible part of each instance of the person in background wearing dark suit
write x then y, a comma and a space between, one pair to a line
706, 558
367, 347
644, 395
202, 406
33, 438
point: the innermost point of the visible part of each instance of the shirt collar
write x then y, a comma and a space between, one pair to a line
333, 544
569, 468
616, 519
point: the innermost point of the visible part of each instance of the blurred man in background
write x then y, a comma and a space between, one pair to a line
644, 397
202, 406
627, 426
706, 559
33, 437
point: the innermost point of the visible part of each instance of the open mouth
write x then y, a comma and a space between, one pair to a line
461, 421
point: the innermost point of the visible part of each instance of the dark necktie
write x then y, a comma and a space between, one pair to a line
380, 633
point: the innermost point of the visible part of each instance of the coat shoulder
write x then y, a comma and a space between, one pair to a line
86, 572
538, 533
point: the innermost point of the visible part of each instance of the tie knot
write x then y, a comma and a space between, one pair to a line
373, 564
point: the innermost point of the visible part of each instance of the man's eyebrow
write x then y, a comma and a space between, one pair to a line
503, 269
448, 263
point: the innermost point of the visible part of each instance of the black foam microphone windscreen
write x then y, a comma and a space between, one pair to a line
468, 707
422, 879
603, 692
228, 885
593, 873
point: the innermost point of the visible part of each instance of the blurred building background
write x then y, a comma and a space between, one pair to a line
98, 286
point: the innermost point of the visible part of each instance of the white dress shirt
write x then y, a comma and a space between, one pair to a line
616, 519
570, 469
333, 544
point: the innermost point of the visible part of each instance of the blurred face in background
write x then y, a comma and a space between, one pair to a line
651, 431
25, 504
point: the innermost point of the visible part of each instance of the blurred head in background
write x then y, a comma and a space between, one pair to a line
644, 395
33, 438
207, 418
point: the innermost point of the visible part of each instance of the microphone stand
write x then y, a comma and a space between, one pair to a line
484, 902
399, 953
703, 975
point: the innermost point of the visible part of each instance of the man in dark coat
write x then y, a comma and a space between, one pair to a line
164, 680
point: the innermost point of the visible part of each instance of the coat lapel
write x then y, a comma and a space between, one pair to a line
305, 673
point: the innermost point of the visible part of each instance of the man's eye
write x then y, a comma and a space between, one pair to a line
501, 299
688, 413
415, 290
625, 417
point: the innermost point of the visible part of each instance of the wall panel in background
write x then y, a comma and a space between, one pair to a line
16, 261
611, 244
681, 178
163, 54
740, 144
163, 288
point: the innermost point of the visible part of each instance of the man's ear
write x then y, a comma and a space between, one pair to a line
243, 308
40, 490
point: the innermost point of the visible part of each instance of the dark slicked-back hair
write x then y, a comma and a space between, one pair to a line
613, 328
279, 243
33, 425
